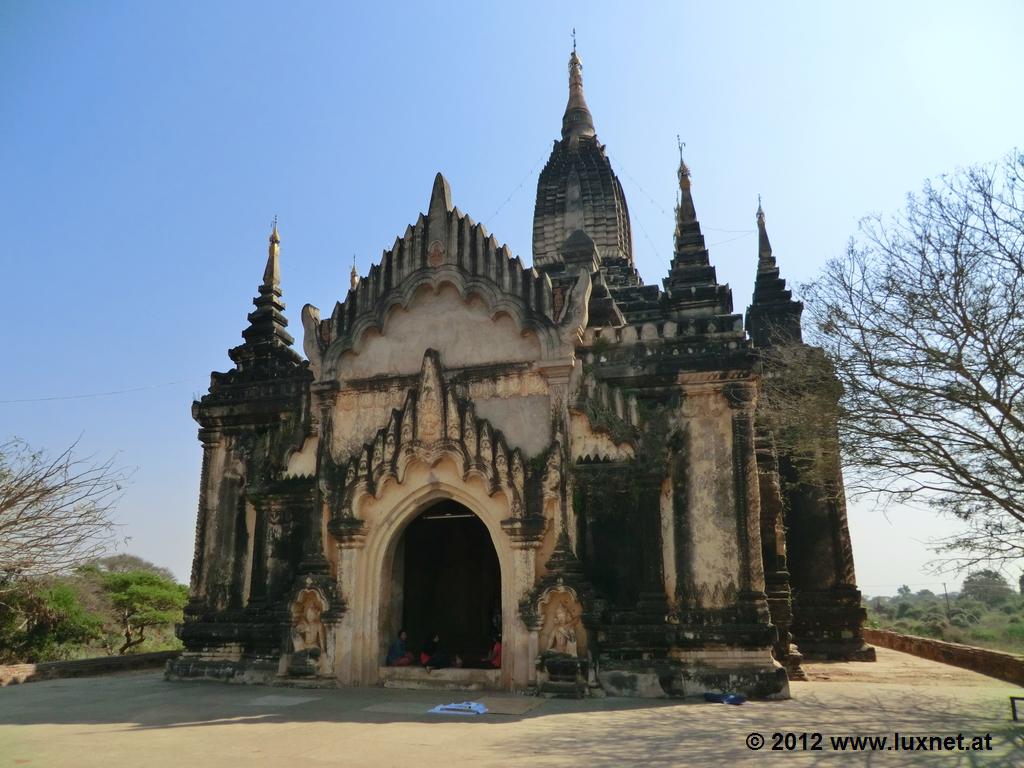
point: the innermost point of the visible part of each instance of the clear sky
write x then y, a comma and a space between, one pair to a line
146, 147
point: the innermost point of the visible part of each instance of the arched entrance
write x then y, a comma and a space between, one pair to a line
446, 580
374, 566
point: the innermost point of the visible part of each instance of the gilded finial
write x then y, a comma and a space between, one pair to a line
684, 171
760, 210
574, 39
353, 275
272, 273
577, 121
685, 212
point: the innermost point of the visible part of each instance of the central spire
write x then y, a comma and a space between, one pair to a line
577, 120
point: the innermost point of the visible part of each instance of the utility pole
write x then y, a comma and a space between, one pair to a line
947, 598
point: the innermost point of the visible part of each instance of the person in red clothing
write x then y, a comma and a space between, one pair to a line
398, 655
494, 657
433, 657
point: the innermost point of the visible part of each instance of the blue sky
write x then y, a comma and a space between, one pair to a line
146, 148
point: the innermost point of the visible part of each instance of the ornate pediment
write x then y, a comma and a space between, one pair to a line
434, 423
445, 246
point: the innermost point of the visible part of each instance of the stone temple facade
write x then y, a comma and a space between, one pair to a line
557, 453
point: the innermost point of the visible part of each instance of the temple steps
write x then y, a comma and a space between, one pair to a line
450, 679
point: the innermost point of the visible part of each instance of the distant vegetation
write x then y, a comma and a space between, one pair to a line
986, 612
112, 605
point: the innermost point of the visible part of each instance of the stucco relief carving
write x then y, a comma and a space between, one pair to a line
562, 631
428, 428
590, 444
359, 414
522, 384
308, 634
551, 483
429, 407
307, 629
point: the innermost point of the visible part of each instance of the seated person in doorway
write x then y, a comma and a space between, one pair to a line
493, 659
398, 656
433, 657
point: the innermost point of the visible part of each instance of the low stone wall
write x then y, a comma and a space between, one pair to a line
1005, 666
49, 670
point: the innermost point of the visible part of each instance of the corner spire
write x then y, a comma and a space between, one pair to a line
577, 120
266, 337
692, 283
765, 260
773, 316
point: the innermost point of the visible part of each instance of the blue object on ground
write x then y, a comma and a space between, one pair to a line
460, 708
724, 698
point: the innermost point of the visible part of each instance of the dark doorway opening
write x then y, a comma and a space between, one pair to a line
450, 582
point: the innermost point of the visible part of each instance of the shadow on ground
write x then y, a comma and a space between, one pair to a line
371, 726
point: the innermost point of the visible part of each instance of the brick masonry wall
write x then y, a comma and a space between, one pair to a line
49, 670
1005, 666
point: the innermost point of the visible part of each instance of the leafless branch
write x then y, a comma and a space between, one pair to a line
55, 512
923, 322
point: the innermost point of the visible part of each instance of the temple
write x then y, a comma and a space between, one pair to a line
557, 455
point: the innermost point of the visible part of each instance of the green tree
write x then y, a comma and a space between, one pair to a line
141, 600
988, 587
43, 622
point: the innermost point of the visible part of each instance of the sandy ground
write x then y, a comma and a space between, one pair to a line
141, 720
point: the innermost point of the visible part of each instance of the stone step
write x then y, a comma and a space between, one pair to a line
563, 690
450, 679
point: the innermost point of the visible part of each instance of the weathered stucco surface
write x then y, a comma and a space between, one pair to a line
713, 537
466, 336
461, 330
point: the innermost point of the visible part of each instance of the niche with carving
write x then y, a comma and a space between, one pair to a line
562, 631
308, 634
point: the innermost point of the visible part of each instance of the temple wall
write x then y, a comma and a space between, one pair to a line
668, 539
223, 505
525, 421
713, 547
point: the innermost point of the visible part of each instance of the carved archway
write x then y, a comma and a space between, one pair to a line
445, 579
432, 449
364, 637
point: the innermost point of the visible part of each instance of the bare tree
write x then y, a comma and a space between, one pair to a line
923, 321
55, 512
